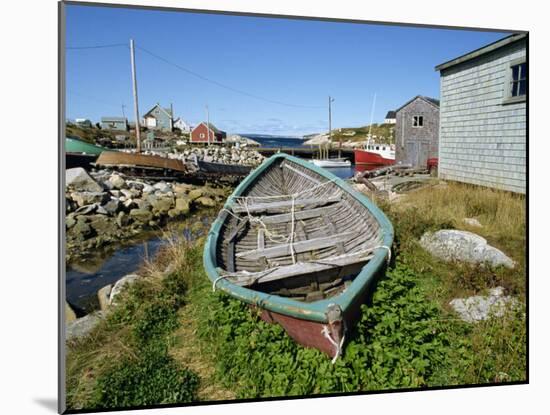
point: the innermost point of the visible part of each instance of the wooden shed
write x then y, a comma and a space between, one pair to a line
114, 123
417, 131
483, 136
200, 134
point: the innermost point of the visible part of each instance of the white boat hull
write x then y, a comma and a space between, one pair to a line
331, 163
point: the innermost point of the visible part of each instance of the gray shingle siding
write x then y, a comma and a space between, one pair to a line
482, 138
415, 145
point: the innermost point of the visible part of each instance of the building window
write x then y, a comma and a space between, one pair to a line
518, 79
201, 135
418, 121
515, 84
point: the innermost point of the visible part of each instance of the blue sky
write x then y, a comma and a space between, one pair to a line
295, 62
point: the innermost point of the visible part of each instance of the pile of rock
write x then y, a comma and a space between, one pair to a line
216, 154
108, 207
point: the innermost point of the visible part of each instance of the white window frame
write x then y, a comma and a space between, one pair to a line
508, 98
202, 135
420, 118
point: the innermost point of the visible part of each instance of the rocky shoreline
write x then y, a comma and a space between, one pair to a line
105, 207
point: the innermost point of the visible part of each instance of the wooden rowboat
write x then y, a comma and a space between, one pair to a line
303, 246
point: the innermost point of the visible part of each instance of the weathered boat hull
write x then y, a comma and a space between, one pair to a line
319, 318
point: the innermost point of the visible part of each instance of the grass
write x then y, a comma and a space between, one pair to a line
445, 206
126, 360
172, 340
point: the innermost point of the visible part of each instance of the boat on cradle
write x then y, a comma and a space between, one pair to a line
79, 153
143, 165
375, 154
335, 162
303, 246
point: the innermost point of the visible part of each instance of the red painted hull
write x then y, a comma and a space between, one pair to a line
307, 333
367, 157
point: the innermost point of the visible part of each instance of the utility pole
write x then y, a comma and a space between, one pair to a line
330, 100
134, 85
208, 123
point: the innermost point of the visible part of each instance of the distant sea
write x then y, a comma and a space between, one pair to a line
275, 140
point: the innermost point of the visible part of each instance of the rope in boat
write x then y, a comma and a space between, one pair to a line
302, 192
389, 252
291, 243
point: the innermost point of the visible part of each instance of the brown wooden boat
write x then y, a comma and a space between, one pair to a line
142, 164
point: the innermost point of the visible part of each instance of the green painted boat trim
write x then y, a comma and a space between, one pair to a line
76, 145
314, 311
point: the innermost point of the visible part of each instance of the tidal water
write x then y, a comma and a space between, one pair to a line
85, 277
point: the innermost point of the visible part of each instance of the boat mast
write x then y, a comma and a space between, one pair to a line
371, 116
330, 99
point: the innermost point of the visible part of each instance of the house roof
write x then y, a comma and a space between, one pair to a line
116, 119
482, 51
210, 126
432, 101
167, 111
390, 114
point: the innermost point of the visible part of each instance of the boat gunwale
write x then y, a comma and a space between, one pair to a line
313, 311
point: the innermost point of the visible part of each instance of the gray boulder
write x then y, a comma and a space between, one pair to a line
141, 215
473, 222
81, 230
89, 198
122, 219
103, 296
161, 205
478, 308
117, 181
205, 201
70, 315
83, 326
102, 224
451, 244
162, 186
112, 206
79, 180
120, 285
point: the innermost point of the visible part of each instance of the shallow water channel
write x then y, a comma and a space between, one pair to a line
85, 277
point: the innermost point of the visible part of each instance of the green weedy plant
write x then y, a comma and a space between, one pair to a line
151, 378
397, 344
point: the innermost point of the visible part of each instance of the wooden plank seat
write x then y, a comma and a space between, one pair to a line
299, 215
298, 247
285, 205
246, 279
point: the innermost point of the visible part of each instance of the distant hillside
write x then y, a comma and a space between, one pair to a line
91, 135
384, 133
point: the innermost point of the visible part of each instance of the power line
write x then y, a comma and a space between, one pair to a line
204, 78
114, 45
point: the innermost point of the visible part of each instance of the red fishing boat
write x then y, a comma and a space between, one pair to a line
375, 154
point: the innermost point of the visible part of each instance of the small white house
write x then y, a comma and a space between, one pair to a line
483, 116
390, 118
182, 125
